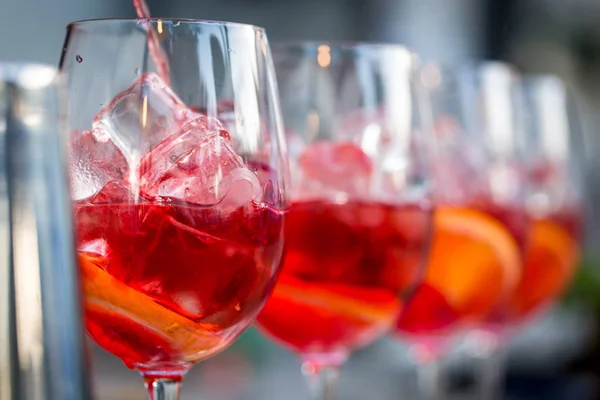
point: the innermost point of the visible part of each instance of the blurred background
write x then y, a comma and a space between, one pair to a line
556, 357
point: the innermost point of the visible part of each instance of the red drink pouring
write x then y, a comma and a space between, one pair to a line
179, 218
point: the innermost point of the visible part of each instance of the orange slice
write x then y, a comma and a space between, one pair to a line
550, 261
311, 316
474, 260
367, 305
104, 293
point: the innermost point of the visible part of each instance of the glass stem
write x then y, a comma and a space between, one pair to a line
163, 388
322, 380
492, 372
429, 380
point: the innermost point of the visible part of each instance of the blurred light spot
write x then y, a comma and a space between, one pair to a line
481, 344
498, 83
36, 77
261, 42
538, 204
421, 354
144, 111
324, 56
371, 139
159, 26
312, 124
503, 182
27, 292
551, 111
431, 76
33, 120
308, 368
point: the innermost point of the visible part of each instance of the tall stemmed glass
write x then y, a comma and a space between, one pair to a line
555, 202
178, 189
359, 223
554, 206
476, 256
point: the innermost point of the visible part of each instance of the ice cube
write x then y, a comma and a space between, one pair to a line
94, 160
337, 166
268, 181
372, 128
142, 116
235, 121
225, 114
198, 165
112, 192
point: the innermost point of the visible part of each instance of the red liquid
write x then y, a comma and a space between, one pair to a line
344, 271
548, 252
473, 269
550, 262
166, 284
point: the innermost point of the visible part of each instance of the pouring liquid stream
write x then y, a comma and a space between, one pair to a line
156, 51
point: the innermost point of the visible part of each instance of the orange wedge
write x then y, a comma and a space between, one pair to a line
107, 295
367, 305
550, 262
474, 260
307, 314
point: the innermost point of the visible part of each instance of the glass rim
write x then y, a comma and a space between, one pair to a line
475, 66
185, 21
343, 45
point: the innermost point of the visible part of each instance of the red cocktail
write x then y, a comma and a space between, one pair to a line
550, 262
344, 273
474, 266
169, 283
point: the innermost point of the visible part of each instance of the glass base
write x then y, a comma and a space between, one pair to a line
167, 370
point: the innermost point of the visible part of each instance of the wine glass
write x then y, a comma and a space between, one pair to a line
479, 224
359, 223
177, 180
554, 207
554, 201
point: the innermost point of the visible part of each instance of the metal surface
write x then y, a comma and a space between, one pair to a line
42, 355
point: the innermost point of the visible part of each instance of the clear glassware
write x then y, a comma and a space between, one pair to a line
479, 225
555, 198
554, 207
358, 230
42, 344
178, 181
